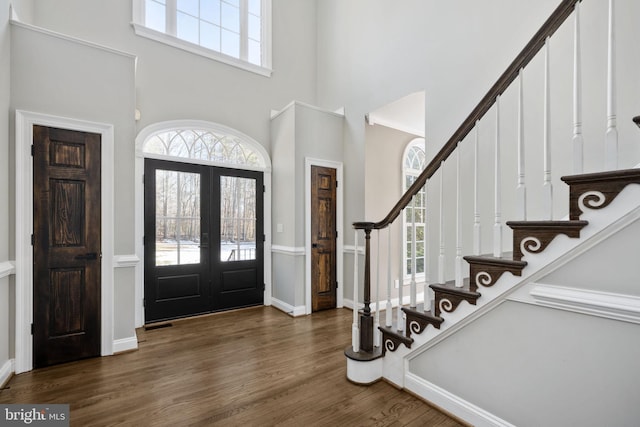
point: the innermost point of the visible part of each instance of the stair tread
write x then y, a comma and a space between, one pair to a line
419, 312
393, 331
548, 224
450, 288
491, 260
623, 174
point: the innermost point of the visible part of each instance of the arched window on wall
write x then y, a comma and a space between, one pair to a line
412, 165
210, 146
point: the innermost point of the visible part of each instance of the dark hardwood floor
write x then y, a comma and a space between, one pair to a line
252, 367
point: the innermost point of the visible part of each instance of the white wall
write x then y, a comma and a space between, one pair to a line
300, 131
541, 367
5, 85
611, 266
384, 148
173, 84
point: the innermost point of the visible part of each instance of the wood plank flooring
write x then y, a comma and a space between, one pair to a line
252, 367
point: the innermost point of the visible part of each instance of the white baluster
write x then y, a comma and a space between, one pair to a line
458, 267
441, 255
389, 308
611, 138
400, 313
521, 190
376, 321
547, 201
412, 289
427, 270
497, 225
578, 140
355, 330
476, 179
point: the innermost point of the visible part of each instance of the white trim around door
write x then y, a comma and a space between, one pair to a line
308, 162
25, 121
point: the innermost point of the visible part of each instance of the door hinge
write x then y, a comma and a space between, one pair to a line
144, 302
144, 240
264, 286
336, 285
33, 240
336, 184
336, 234
33, 150
264, 237
264, 188
32, 329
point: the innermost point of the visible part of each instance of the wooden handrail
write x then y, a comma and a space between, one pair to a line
556, 19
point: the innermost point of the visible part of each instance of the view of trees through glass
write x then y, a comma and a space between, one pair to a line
237, 218
177, 217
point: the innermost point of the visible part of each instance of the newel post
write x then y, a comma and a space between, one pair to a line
366, 320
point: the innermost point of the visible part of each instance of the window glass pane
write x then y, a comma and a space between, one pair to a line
237, 218
209, 37
255, 53
187, 28
235, 3
188, 6
254, 7
210, 11
155, 15
230, 43
231, 18
177, 218
254, 28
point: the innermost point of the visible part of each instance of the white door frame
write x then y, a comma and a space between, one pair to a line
308, 161
25, 121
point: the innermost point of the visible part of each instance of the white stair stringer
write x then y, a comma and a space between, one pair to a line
603, 223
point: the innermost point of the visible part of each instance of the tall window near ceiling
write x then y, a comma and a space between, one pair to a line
237, 32
413, 164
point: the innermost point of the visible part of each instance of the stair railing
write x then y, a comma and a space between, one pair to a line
363, 330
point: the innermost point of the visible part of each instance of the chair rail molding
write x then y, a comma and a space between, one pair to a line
7, 268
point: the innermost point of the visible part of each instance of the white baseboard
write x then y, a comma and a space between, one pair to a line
125, 344
5, 372
300, 310
451, 403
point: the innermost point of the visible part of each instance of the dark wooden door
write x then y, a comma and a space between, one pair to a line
203, 239
66, 245
323, 238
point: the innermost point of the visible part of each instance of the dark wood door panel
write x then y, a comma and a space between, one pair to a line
67, 243
323, 238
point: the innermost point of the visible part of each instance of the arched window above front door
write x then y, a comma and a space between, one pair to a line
203, 142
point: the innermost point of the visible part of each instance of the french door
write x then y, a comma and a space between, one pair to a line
203, 239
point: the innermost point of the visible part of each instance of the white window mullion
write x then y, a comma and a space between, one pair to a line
244, 30
172, 17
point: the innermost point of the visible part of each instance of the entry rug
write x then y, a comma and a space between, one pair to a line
34, 415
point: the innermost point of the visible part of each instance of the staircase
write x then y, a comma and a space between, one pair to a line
385, 349
594, 191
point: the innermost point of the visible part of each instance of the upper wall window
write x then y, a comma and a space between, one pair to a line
237, 32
